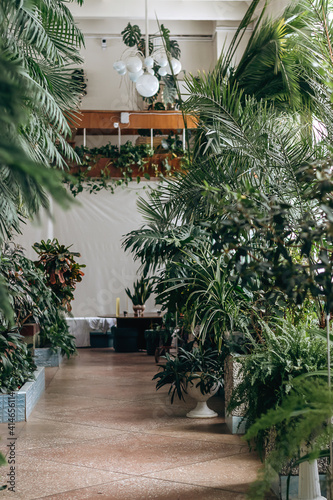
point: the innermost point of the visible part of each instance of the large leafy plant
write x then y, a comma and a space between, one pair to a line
61, 269
202, 366
32, 300
269, 369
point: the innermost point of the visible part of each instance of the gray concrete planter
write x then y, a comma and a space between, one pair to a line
232, 377
19, 405
45, 357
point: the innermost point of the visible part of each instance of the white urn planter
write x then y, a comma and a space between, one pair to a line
201, 410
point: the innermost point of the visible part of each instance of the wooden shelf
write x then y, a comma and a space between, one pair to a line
102, 122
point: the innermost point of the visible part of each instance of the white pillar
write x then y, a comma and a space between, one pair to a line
308, 482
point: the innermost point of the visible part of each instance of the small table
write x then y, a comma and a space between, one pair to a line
141, 323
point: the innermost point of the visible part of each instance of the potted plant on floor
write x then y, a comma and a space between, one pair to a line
195, 370
143, 288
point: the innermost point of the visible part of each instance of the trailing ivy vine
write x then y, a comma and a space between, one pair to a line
125, 159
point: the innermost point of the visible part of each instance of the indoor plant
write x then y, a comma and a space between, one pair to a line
194, 367
60, 268
143, 289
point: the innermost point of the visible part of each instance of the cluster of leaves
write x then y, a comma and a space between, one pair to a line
38, 43
260, 192
55, 333
60, 268
16, 362
193, 364
143, 288
269, 369
32, 300
128, 157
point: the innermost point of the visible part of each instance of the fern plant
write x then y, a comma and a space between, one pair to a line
270, 369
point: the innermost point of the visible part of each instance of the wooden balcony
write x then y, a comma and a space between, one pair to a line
103, 122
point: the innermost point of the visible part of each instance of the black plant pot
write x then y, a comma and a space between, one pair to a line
152, 341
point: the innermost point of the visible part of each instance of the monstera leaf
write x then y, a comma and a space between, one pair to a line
171, 45
142, 46
169, 91
131, 35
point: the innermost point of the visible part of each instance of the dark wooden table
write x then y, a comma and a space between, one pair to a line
141, 323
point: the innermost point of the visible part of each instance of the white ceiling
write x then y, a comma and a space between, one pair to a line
176, 10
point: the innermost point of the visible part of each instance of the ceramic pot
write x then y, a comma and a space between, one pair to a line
138, 310
201, 410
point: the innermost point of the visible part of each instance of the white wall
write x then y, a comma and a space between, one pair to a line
95, 229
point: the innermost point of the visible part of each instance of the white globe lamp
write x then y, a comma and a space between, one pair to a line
133, 64
176, 66
162, 71
149, 62
119, 66
147, 85
134, 76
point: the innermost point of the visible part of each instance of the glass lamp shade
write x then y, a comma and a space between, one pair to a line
147, 85
133, 64
161, 60
134, 76
162, 71
151, 71
176, 66
122, 72
119, 66
149, 62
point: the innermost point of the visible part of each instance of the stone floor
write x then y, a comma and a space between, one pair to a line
102, 431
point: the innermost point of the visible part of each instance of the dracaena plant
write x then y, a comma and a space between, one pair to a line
143, 289
61, 269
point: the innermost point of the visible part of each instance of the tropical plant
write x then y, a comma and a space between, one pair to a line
37, 45
269, 369
143, 289
32, 300
200, 365
16, 362
60, 268
301, 418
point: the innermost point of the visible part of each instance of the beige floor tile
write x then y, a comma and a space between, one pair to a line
234, 473
148, 489
131, 453
36, 478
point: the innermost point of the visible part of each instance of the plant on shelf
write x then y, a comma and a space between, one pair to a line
60, 268
143, 288
128, 160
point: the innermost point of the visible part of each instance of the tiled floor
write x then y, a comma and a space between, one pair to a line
102, 431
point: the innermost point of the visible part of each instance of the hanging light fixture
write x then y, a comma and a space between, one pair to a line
140, 69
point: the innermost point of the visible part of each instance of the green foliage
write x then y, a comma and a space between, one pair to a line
128, 157
55, 333
301, 418
131, 35
269, 370
60, 268
31, 299
16, 363
201, 366
143, 288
